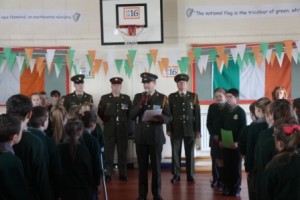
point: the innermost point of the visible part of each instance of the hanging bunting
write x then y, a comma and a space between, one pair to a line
288, 49
89, 61
132, 54
165, 62
119, 63
273, 57
268, 55
220, 50
28, 57
40, 66
220, 64
20, 62
49, 58
154, 53
161, 67
279, 49
252, 59
183, 64
7, 52
295, 55
11, 60
129, 60
56, 69
197, 53
68, 63
59, 66
96, 66
105, 67
258, 57
212, 55
241, 50
202, 63
91, 57
128, 69
280, 60
173, 56
149, 58
191, 56
264, 48
32, 64
234, 54
70, 57
246, 59
239, 61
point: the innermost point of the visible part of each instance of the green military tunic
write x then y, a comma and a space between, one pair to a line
149, 139
13, 182
73, 99
282, 178
185, 111
114, 112
31, 151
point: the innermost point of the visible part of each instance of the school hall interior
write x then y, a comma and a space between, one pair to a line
253, 46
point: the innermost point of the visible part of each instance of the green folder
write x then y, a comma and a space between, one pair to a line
227, 138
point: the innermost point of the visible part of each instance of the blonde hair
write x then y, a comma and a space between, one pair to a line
74, 112
58, 115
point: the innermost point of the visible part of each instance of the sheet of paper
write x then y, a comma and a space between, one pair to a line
227, 138
148, 114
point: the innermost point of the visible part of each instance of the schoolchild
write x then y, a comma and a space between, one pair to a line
11, 168
233, 119
30, 150
213, 118
282, 174
76, 163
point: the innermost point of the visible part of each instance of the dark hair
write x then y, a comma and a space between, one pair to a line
252, 109
73, 130
296, 103
9, 126
89, 118
233, 91
279, 88
262, 103
55, 93
19, 105
289, 139
282, 108
38, 117
221, 90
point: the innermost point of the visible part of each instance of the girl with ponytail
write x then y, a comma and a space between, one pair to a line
282, 174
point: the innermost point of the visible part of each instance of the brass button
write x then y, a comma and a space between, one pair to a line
147, 125
183, 122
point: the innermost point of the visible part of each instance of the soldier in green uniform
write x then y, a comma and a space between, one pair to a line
78, 97
114, 110
13, 182
149, 134
185, 125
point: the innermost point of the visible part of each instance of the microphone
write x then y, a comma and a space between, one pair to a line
146, 94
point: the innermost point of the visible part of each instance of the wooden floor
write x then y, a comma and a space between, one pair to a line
201, 190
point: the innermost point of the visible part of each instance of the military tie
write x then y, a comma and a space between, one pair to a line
79, 96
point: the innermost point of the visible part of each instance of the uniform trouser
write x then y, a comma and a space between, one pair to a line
189, 143
143, 152
232, 169
251, 180
111, 140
